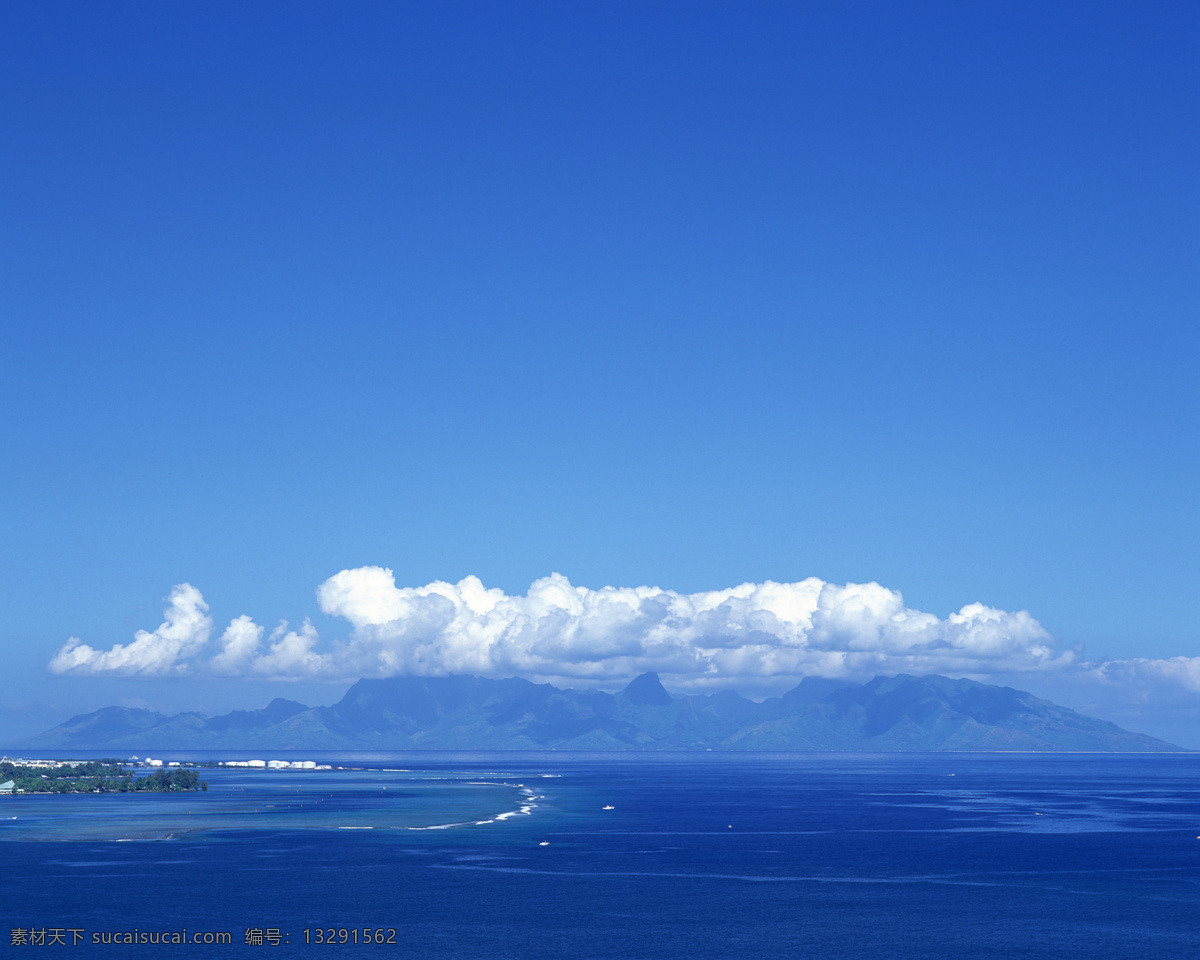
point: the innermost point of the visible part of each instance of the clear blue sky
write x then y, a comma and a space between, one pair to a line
676, 294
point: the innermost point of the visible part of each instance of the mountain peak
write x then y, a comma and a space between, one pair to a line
646, 691
476, 713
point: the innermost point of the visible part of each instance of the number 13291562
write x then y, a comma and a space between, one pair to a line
350, 935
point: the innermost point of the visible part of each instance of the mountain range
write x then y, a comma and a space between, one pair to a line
473, 713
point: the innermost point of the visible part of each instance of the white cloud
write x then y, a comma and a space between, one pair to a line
744, 636
164, 652
239, 646
560, 632
1182, 673
752, 631
290, 654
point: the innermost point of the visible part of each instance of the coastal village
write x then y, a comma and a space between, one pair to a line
111, 775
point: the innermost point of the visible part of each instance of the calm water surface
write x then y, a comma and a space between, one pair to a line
701, 856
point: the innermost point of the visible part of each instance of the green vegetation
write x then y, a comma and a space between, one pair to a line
98, 776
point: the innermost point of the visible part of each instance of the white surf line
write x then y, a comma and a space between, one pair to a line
525, 809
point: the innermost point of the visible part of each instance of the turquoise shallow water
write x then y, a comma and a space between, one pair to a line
258, 800
700, 856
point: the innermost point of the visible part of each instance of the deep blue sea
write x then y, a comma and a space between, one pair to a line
513, 855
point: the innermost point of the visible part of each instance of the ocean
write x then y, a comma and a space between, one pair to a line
685, 856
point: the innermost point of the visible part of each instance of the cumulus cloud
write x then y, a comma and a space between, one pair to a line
564, 633
164, 652
239, 646
755, 630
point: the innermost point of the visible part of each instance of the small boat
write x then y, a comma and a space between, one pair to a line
544, 843
608, 806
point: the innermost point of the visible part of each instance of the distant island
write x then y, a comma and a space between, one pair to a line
901, 713
93, 776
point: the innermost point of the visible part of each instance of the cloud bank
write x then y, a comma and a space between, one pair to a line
560, 632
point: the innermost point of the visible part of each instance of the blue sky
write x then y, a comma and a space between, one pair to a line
671, 295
